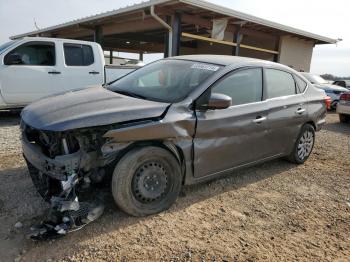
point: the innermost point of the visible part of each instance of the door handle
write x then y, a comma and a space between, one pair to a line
259, 119
94, 73
300, 111
54, 72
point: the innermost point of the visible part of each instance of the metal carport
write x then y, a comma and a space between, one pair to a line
184, 27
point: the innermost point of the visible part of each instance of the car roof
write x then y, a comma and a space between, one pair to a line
227, 60
308, 74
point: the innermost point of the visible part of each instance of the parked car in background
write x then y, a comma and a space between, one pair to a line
333, 91
342, 83
35, 67
181, 120
343, 108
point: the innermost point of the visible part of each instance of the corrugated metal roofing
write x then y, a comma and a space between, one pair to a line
198, 3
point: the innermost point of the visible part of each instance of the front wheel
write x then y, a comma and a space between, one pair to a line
303, 145
146, 181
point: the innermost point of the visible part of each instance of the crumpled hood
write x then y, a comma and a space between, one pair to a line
331, 87
86, 108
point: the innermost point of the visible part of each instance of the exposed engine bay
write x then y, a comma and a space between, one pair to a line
64, 167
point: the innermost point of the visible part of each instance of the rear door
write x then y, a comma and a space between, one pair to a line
32, 78
235, 136
82, 66
287, 109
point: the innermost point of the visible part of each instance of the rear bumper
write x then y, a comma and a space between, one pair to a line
343, 107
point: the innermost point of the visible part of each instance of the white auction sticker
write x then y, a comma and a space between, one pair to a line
205, 67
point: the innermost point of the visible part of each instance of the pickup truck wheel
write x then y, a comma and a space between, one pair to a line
344, 118
146, 181
303, 145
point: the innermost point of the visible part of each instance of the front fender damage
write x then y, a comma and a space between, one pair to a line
75, 161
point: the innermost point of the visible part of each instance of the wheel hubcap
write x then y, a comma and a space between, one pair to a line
305, 145
150, 182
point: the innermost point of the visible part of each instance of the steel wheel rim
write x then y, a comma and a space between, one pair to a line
305, 145
150, 182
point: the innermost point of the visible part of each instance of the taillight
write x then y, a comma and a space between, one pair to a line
328, 102
345, 96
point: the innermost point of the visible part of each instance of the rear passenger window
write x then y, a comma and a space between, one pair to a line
279, 83
301, 84
78, 55
244, 86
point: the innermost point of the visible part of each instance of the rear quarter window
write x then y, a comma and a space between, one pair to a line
301, 84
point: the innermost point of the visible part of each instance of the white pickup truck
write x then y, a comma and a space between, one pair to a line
35, 67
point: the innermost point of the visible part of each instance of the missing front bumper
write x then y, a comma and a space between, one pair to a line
59, 167
56, 181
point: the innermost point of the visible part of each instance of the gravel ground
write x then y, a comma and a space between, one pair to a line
275, 211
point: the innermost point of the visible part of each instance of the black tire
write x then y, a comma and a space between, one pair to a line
301, 150
343, 118
137, 171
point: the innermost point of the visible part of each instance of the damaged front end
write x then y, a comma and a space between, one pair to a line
64, 166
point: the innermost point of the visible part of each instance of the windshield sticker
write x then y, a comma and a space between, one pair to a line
205, 67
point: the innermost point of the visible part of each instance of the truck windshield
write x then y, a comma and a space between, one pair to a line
6, 45
168, 81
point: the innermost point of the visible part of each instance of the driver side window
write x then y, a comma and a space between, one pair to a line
243, 86
33, 53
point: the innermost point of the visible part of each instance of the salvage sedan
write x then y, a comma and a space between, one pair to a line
174, 122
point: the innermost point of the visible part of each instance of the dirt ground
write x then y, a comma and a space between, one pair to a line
271, 212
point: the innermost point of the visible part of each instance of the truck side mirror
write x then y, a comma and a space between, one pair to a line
13, 59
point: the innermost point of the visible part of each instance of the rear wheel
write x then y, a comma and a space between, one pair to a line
304, 145
344, 118
146, 181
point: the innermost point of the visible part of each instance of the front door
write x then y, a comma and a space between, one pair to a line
34, 76
235, 136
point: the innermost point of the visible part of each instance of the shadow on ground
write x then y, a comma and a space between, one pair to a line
342, 128
9, 118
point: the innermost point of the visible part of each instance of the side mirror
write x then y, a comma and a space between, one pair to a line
13, 59
218, 101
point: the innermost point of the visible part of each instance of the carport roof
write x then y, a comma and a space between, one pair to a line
199, 4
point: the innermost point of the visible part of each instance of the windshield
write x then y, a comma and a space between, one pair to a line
167, 80
315, 79
6, 45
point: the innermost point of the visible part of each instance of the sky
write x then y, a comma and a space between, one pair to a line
327, 18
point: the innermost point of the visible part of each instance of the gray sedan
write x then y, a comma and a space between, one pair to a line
175, 122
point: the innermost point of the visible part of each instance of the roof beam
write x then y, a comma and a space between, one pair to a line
212, 40
118, 28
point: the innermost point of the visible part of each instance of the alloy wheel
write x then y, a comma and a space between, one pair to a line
305, 145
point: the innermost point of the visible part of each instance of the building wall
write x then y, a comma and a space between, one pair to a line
296, 53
